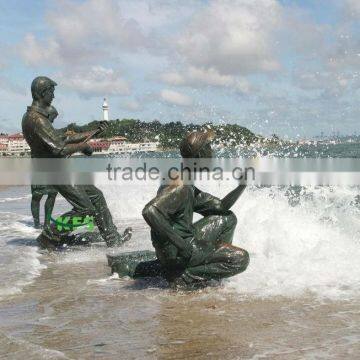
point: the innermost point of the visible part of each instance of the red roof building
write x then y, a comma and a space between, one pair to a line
16, 137
99, 145
4, 139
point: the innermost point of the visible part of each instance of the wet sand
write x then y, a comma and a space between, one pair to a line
77, 311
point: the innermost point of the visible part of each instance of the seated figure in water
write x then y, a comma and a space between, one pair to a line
187, 253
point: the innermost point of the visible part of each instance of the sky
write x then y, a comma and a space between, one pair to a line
289, 67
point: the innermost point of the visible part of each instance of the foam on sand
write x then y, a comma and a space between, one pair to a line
19, 255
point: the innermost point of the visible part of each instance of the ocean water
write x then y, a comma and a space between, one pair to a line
307, 242
304, 243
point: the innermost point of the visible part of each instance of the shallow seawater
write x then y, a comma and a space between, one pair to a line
299, 298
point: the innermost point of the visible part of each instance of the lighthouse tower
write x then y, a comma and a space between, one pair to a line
105, 108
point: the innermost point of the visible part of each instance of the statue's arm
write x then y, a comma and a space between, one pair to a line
207, 204
86, 135
229, 200
80, 137
54, 142
77, 137
158, 222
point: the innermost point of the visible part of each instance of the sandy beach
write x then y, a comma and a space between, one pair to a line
298, 299
80, 312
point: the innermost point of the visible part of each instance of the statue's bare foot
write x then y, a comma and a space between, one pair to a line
127, 234
120, 239
186, 282
48, 240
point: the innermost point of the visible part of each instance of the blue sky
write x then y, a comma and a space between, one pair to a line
289, 67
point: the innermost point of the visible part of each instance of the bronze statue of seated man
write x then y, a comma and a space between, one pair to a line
187, 253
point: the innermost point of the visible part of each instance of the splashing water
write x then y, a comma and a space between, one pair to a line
300, 240
312, 246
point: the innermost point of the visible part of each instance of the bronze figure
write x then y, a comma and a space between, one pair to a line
188, 254
47, 142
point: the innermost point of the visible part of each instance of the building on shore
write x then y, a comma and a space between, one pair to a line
4, 138
15, 145
3, 149
119, 145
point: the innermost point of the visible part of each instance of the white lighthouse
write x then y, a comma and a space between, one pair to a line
105, 108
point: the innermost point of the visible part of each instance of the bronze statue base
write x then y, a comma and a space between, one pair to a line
70, 240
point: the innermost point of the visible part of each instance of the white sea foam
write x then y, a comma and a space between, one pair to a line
19, 257
298, 244
10, 199
310, 247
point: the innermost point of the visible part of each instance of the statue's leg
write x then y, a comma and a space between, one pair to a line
49, 207
53, 236
86, 201
104, 219
135, 264
35, 208
226, 261
214, 230
215, 258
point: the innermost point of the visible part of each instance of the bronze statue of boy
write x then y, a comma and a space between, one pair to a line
188, 254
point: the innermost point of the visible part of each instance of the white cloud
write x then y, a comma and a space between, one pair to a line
131, 105
198, 77
233, 46
175, 98
209, 77
345, 54
329, 83
155, 14
173, 78
35, 53
352, 7
97, 22
82, 32
233, 36
95, 81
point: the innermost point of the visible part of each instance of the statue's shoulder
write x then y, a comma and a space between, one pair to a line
170, 199
28, 121
31, 114
173, 193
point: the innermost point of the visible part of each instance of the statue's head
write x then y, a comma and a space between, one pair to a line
42, 89
53, 114
197, 145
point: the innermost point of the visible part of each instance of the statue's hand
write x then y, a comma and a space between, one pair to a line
87, 150
103, 125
